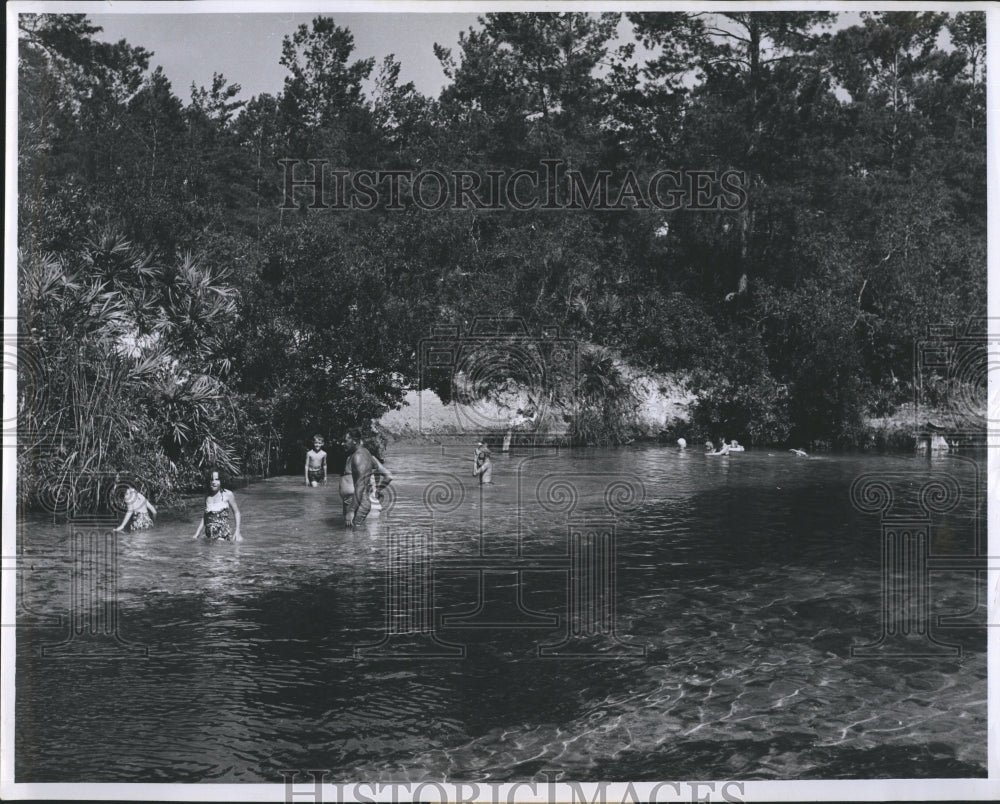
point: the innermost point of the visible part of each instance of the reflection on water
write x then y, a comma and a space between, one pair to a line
745, 580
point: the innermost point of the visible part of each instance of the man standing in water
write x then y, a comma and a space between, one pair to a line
355, 482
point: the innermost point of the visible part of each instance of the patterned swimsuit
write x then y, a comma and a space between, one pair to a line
141, 520
217, 521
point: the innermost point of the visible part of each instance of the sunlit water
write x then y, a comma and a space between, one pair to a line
746, 580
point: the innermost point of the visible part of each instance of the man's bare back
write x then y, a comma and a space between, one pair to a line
356, 479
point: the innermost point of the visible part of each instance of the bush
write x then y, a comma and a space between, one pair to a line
738, 398
606, 402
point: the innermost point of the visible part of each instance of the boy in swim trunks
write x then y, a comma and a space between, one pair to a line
316, 463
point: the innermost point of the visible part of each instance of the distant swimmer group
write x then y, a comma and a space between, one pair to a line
729, 447
725, 448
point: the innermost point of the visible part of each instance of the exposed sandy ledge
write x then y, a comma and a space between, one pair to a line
662, 399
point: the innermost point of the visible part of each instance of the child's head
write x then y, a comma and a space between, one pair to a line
213, 481
317, 442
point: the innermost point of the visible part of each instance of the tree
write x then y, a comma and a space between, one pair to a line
323, 107
528, 83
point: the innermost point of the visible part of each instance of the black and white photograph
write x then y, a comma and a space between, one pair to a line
459, 402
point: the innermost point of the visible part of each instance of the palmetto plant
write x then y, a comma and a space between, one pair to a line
115, 261
195, 301
194, 409
117, 376
606, 401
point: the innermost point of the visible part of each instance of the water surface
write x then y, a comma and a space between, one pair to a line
744, 580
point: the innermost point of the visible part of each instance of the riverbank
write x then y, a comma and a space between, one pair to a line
663, 411
661, 400
916, 427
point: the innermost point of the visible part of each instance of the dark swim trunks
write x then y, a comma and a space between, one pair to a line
316, 475
363, 510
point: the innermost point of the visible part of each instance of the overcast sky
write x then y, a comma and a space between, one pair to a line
246, 47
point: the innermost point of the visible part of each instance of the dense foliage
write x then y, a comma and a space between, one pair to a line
176, 311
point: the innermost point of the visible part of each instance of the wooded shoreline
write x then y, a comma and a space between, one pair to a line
178, 311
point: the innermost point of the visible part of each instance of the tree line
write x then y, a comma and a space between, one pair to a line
175, 311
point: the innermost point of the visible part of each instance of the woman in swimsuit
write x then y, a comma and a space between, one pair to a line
218, 503
138, 510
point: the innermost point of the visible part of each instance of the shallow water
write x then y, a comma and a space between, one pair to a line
745, 581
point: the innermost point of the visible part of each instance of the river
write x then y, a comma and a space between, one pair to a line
639, 613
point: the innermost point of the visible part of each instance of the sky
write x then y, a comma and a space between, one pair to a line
245, 48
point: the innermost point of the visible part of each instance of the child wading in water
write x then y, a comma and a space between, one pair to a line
138, 510
218, 503
483, 467
373, 495
316, 463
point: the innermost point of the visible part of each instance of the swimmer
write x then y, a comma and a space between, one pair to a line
138, 510
800, 452
682, 443
519, 420
218, 503
355, 483
316, 463
735, 446
482, 465
373, 497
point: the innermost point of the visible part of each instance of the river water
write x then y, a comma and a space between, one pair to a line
624, 614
